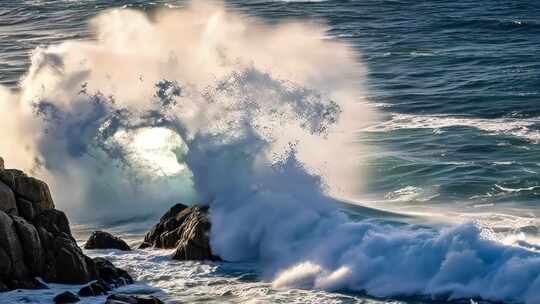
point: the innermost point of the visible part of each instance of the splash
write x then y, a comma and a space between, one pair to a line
114, 118
256, 120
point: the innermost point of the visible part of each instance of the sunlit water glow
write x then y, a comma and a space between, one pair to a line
155, 149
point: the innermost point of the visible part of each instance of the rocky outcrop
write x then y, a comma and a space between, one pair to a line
36, 240
28, 188
95, 289
105, 240
132, 299
110, 274
67, 255
184, 228
109, 277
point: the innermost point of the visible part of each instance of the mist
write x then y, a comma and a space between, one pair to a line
186, 73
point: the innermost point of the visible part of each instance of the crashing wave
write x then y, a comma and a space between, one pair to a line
256, 120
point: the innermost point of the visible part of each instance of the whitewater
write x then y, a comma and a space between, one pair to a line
259, 120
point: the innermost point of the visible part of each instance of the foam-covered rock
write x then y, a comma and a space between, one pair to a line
184, 228
194, 242
105, 240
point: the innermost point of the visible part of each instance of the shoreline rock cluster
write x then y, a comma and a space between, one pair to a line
36, 240
37, 246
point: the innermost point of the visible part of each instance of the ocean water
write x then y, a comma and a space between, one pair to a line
451, 160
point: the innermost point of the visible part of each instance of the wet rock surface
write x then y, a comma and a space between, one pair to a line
184, 228
110, 277
36, 240
110, 274
105, 240
95, 289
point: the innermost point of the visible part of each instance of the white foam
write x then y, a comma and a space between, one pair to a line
518, 127
507, 189
410, 194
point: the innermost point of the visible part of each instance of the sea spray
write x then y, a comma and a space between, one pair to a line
181, 75
259, 119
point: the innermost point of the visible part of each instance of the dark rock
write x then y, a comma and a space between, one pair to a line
184, 228
3, 287
64, 261
110, 274
31, 245
34, 190
27, 209
26, 283
194, 243
66, 298
49, 265
166, 223
9, 242
36, 241
1, 163
132, 299
71, 264
54, 221
173, 212
9, 176
5, 264
7, 200
105, 240
93, 289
